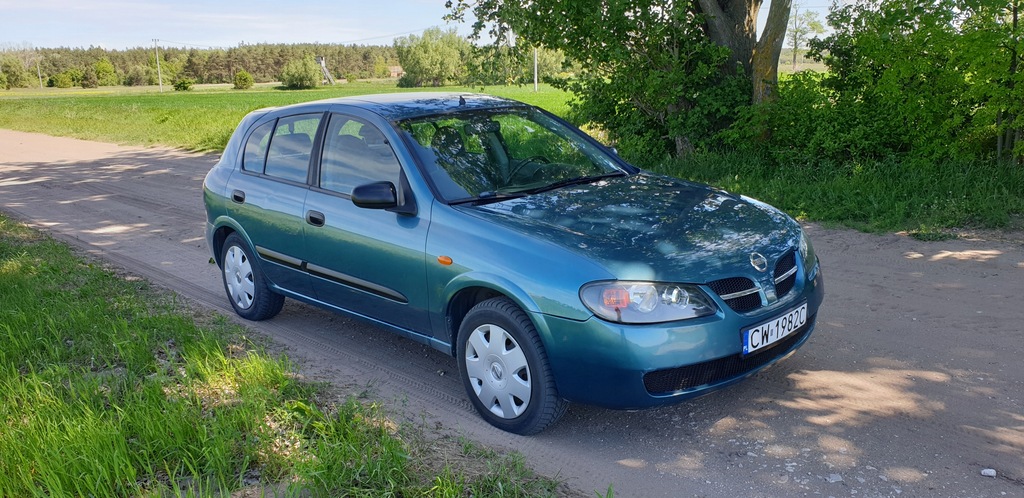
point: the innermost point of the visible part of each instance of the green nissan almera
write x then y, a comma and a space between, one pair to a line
552, 270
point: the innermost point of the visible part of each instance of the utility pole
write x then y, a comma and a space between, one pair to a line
535, 69
159, 76
40, 75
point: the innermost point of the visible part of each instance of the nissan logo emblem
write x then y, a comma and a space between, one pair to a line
759, 262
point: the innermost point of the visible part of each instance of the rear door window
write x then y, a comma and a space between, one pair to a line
291, 147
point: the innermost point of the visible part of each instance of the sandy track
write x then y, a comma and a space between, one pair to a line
911, 385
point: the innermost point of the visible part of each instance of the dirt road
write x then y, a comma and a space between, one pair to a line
912, 384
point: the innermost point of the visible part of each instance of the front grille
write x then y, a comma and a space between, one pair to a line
738, 292
715, 371
785, 274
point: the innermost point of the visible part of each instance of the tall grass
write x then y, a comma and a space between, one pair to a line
876, 195
107, 389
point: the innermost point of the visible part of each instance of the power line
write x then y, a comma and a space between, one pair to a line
168, 42
385, 36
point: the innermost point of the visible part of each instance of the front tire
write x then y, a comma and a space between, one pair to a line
504, 369
245, 284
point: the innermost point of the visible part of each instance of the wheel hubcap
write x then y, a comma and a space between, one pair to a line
498, 371
238, 277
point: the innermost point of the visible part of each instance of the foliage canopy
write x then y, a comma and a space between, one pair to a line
301, 73
650, 73
436, 58
930, 80
243, 80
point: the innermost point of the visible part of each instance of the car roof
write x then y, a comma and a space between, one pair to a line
399, 106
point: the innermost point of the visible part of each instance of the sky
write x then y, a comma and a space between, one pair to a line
120, 24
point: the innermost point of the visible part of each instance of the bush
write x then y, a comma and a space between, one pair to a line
408, 81
89, 79
301, 73
15, 74
106, 73
60, 80
140, 75
243, 80
183, 84
65, 79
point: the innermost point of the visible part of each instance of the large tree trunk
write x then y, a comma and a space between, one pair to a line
733, 24
767, 51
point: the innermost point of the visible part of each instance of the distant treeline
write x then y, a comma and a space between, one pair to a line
66, 67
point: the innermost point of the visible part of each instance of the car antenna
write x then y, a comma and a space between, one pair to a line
462, 100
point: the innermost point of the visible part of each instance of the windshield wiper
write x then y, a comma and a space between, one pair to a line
576, 180
487, 198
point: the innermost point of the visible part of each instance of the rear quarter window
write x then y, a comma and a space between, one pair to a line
255, 156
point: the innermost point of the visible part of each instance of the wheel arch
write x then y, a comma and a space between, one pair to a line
219, 233
469, 290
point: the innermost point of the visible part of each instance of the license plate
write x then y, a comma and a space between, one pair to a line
774, 330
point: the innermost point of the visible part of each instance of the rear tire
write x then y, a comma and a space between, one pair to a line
505, 370
245, 284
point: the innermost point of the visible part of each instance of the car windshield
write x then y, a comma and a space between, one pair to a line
495, 154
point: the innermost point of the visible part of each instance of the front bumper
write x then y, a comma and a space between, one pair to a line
640, 366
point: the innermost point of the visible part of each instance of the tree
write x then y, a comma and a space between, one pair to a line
503, 66
106, 74
563, 24
65, 79
302, 73
20, 58
733, 24
89, 79
140, 75
490, 65
15, 74
549, 64
903, 80
183, 84
652, 76
802, 24
436, 58
992, 50
243, 80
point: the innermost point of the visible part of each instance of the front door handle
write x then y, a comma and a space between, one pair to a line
315, 218
238, 196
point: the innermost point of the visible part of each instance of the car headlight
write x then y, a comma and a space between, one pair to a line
810, 260
646, 302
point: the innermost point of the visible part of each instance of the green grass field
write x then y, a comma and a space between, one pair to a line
200, 120
109, 388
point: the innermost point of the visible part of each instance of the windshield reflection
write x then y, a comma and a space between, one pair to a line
495, 154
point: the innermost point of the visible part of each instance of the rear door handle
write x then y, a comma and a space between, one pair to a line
238, 196
315, 218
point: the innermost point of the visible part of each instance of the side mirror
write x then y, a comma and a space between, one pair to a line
377, 195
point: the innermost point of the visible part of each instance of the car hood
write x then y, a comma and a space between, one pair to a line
647, 227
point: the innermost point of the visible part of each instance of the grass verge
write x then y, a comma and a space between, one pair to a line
924, 198
108, 389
